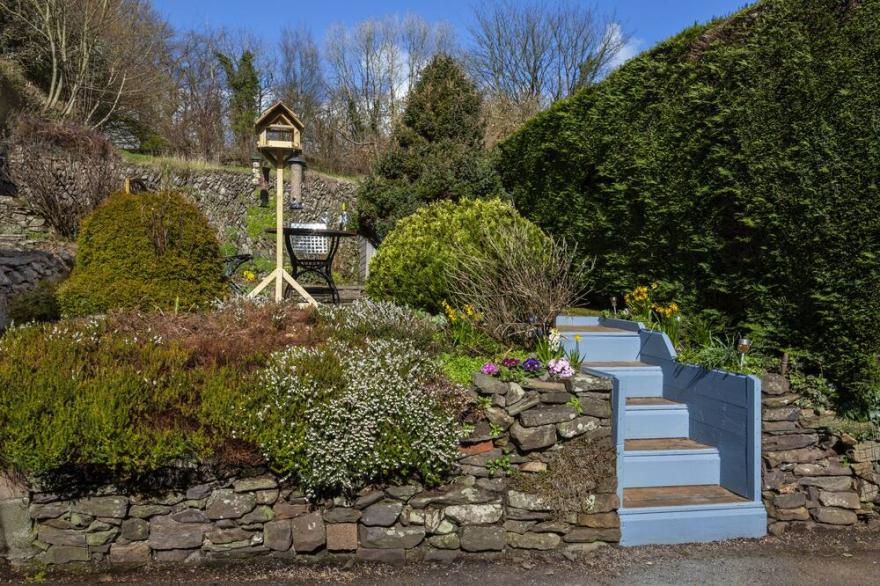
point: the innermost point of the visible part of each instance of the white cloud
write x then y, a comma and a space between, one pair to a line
630, 49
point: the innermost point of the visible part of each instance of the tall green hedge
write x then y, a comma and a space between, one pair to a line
740, 161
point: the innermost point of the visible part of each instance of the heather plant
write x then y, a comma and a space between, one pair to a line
338, 417
377, 319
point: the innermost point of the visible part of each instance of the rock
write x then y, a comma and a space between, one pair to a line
774, 426
518, 526
404, 492
842, 500
483, 539
576, 427
391, 537
101, 506
789, 413
477, 448
541, 385
481, 459
833, 516
445, 526
591, 383
277, 535
147, 511
821, 470
383, 514
71, 537
589, 534
528, 502
524, 515
199, 492
261, 514
342, 537
288, 511
775, 443
775, 384
790, 501
556, 397
267, 497
865, 452
101, 537
523, 405
368, 499
596, 407
599, 520
551, 527
547, 415
446, 541
254, 484
489, 385
308, 532
780, 401
166, 533
514, 394
222, 536
474, 514
385, 556
601, 503
792, 514
499, 417
133, 553
573, 551
829, 483
534, 467
64, 554
135, 530
455, 495
541, 541
342, 515
177, 556
39, 512
190, 516
533, 438
775, 459
227, 504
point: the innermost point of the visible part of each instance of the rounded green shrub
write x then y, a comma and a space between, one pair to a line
416, 259
149, 250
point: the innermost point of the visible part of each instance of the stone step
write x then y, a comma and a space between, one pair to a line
686, 514
669, 462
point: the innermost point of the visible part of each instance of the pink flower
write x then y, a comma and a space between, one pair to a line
510, 363
489, 368
560, 367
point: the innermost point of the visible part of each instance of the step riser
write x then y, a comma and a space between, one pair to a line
635, 382
691, 526
598, 348
577, 320
656, 424
647, 470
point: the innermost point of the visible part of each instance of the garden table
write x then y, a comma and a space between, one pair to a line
311, 251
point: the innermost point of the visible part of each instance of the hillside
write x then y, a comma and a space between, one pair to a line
739, 162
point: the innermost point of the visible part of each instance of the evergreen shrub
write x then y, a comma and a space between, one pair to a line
149, 250
738, 162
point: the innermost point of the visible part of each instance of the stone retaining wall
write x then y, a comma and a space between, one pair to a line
484, 509
22, 270
811, 474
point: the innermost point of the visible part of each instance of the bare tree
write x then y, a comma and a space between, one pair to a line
95, 65
300, 78
62, 170
541, 51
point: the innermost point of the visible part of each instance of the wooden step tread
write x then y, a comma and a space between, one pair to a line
675, 496
594, 330
618, 364
647, 401
675, 443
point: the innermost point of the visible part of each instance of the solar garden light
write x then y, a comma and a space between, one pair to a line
614, 304
743, 345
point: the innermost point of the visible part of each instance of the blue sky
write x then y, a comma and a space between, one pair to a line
648, 21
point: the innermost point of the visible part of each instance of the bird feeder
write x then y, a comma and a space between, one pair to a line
279, 135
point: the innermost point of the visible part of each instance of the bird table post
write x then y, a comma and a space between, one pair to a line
278, 139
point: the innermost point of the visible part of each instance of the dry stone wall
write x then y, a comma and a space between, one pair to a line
814, 476
483, 510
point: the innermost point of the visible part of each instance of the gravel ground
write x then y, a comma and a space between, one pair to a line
849, 557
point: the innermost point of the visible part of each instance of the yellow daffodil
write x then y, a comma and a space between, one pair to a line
249, 276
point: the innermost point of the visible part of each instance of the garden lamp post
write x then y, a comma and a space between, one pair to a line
743, 345
279, 133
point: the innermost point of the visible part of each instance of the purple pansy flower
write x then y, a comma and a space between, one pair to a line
510, 363
561, 368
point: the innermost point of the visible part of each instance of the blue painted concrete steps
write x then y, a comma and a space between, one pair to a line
673, 488
655, 417
673, 462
